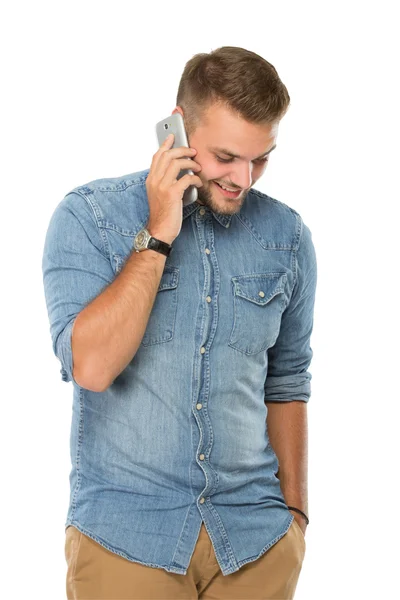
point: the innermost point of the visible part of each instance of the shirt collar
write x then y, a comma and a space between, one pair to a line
224, 220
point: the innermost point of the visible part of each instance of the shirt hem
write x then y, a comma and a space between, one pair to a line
176, 569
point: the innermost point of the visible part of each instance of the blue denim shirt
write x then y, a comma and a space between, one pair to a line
180, 436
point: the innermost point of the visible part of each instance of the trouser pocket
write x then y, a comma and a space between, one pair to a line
73, 539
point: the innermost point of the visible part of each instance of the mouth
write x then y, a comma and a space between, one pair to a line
226, 193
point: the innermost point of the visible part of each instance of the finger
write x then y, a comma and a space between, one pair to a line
184, 182
167, 143
176, 166
166, 155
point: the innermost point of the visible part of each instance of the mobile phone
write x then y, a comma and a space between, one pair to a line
174, 124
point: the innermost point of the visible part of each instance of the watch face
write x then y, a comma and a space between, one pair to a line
141, 239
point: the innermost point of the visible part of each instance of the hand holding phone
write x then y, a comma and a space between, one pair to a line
165, 189
176, 125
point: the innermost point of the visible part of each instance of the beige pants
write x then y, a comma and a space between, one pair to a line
95, 573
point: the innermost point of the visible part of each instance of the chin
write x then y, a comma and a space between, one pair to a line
232, 204
220, 204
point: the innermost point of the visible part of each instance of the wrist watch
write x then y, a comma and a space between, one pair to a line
144, 241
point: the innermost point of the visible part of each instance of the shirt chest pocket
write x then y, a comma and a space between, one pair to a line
258, 303
161, 323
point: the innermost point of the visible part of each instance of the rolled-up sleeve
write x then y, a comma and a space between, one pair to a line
75, 270
288, 376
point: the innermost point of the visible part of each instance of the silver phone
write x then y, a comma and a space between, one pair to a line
174, 124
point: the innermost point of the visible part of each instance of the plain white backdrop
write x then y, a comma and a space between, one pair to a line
83, 84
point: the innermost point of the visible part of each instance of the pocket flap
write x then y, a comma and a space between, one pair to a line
169, 278
259, 288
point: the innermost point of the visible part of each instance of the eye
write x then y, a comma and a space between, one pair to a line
229, 160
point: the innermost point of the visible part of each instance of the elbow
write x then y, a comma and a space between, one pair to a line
92, 384
83, 375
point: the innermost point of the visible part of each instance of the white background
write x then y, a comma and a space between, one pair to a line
83, 84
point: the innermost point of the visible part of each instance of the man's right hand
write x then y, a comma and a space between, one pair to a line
165, 191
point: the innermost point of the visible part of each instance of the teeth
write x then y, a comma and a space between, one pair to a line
227, 189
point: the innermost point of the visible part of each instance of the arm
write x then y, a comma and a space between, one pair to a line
288, 434
287, 385
100, 315
108, 332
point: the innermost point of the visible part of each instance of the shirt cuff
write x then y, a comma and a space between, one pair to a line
64, 352
287, 388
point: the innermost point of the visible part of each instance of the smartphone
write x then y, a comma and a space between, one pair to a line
174, 124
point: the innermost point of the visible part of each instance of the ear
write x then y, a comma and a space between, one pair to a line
177, 109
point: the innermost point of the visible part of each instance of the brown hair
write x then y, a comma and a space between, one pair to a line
233, 77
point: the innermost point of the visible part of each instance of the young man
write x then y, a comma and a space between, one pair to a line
186, 334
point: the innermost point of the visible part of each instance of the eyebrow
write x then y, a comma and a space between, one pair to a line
224, 151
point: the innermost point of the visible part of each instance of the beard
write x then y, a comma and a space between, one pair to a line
217, 202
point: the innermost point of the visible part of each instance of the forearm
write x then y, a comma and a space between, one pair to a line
109, 330
288, 434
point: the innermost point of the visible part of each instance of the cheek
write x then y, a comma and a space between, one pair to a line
211, 171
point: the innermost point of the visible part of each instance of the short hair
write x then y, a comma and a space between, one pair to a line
235, 78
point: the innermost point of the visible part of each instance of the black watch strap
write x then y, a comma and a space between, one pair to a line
159, 246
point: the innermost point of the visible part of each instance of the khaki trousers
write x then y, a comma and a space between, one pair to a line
95, 573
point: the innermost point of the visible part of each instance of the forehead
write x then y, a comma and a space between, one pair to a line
225, 129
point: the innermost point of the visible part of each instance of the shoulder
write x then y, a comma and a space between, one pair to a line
112, 201
114, 184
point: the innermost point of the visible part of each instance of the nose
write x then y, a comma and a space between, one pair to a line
242, 175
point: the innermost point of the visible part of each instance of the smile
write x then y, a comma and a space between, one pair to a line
228, 193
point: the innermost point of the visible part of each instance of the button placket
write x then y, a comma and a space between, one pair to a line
208, 299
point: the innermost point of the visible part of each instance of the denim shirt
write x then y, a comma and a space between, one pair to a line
180, 437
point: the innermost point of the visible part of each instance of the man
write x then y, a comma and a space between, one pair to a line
186, 332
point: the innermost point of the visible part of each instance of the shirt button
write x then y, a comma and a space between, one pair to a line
207, 251
208, 298
261, 294
202, 211
201, 457
202, 349
198, 406
202, 500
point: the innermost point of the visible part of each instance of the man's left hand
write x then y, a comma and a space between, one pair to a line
300, 520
